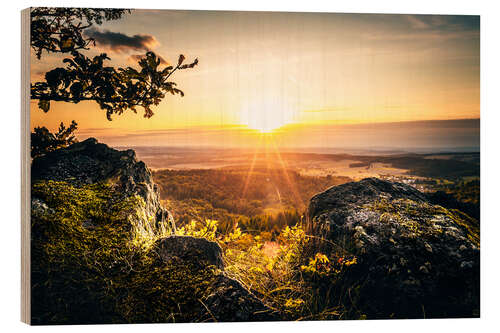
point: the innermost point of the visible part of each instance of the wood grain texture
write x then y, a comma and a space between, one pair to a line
25, 168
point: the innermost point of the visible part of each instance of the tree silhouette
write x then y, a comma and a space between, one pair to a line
43, 141
60, 30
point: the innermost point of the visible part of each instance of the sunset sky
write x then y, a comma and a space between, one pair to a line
308, 73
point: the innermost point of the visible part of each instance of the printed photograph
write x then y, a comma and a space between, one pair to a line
224, 166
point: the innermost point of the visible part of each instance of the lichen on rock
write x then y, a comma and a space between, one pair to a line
415, 259
90, 162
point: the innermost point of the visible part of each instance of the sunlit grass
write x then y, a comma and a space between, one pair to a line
295, 282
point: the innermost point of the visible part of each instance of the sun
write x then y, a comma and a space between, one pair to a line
264, 124
265, 117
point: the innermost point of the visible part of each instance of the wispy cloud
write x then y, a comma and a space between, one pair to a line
348, 108
429, 35
427, 133
444, 22
119, 42
331, 109
187, 131
416, 22
431, 27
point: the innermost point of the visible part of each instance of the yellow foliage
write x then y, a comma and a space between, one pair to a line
293, 303
207, 230
322, 265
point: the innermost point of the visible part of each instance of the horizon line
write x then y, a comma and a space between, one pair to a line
291, 124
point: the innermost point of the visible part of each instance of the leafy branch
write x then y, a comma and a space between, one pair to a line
43, 141
115, 90
60, 30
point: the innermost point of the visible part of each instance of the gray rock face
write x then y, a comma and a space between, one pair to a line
230, 301
89, 162
414, 259
185, 248
39, 208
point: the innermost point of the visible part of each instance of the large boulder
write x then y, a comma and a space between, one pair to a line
190, 249
414, 259
90, 162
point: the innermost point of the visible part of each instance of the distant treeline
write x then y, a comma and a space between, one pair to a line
419, 165
262, 200
452, 166
267, 199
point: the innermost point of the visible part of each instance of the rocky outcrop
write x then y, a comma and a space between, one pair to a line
228, 300
190, 249
90, 162
414, 259
185, 263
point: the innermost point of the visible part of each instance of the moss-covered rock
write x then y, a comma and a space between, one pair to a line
190, 249
415, 259
89, 162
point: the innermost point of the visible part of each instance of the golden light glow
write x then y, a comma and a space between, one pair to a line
266, 116
298, 77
